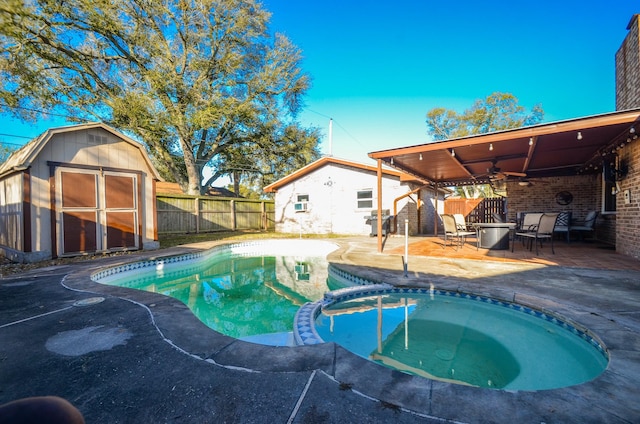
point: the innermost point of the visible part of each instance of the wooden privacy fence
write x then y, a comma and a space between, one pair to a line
203, 214
476, 210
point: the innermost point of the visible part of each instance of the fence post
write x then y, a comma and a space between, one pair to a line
233, 214
197, 213
263, 214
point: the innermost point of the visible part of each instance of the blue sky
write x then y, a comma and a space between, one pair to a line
379, 66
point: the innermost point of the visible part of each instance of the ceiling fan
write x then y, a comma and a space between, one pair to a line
494, 173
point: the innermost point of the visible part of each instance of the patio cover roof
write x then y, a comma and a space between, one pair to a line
571, 147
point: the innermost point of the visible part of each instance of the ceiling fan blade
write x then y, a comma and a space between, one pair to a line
514, 174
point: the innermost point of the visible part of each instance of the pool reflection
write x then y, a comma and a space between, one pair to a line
408, 338
448, 352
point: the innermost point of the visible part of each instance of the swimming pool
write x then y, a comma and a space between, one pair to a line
258, 291
249, 291
458, 337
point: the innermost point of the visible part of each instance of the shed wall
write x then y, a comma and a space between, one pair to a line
11, 211
76, 147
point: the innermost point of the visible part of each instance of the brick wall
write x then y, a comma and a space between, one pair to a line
627, 236
628, 68
628, 216
541, 197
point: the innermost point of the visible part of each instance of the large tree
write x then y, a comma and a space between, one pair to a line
499, 111
200, 82
263, 160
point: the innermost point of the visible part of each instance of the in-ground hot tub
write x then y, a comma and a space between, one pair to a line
456, 337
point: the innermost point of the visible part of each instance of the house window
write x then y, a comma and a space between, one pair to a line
610, 190
302, 203
365, 199
302, 271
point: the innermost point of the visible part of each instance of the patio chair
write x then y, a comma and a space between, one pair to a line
460, 221
587, 226
543, 231
563, 223
528, 222
453, 232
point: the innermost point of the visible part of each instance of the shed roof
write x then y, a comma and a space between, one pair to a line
571, 147
22, 158
273, 187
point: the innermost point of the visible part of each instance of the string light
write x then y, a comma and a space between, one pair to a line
530, 141
453, 153
491, 147
579, 135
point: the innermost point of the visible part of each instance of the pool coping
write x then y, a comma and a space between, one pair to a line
604, 399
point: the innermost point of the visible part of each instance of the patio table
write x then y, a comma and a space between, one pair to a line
494, 235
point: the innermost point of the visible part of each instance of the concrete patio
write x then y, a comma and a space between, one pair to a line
143, 357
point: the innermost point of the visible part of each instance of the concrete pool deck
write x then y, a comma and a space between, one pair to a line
143, 357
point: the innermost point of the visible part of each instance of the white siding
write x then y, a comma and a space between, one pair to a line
332, 191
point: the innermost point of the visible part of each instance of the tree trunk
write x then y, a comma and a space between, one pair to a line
236, 183
194, 187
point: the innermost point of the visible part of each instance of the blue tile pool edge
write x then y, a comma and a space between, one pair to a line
249, 248
304, 325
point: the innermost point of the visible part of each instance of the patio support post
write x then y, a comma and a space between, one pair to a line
379, 220
435, 215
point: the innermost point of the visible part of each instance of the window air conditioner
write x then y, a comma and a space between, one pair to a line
301, 207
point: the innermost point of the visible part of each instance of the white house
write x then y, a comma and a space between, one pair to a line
76, 190
337, 196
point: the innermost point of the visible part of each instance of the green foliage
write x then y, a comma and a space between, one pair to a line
499, 111
475, 191
5, 151
203, 84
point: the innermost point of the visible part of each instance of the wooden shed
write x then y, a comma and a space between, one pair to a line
77, 190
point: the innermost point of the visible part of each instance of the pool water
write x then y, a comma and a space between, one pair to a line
238, 295
462, 340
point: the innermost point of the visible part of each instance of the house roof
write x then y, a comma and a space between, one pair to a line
273, 187
22, 158
571, 147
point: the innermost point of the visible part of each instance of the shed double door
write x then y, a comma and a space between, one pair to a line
97, 211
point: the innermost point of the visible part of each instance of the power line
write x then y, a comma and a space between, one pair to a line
68, 117
339, 125
16, 136
4, 143
38, 111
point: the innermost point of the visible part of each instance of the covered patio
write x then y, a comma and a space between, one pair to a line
591, 155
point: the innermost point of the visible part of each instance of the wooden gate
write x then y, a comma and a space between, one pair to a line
476, 210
